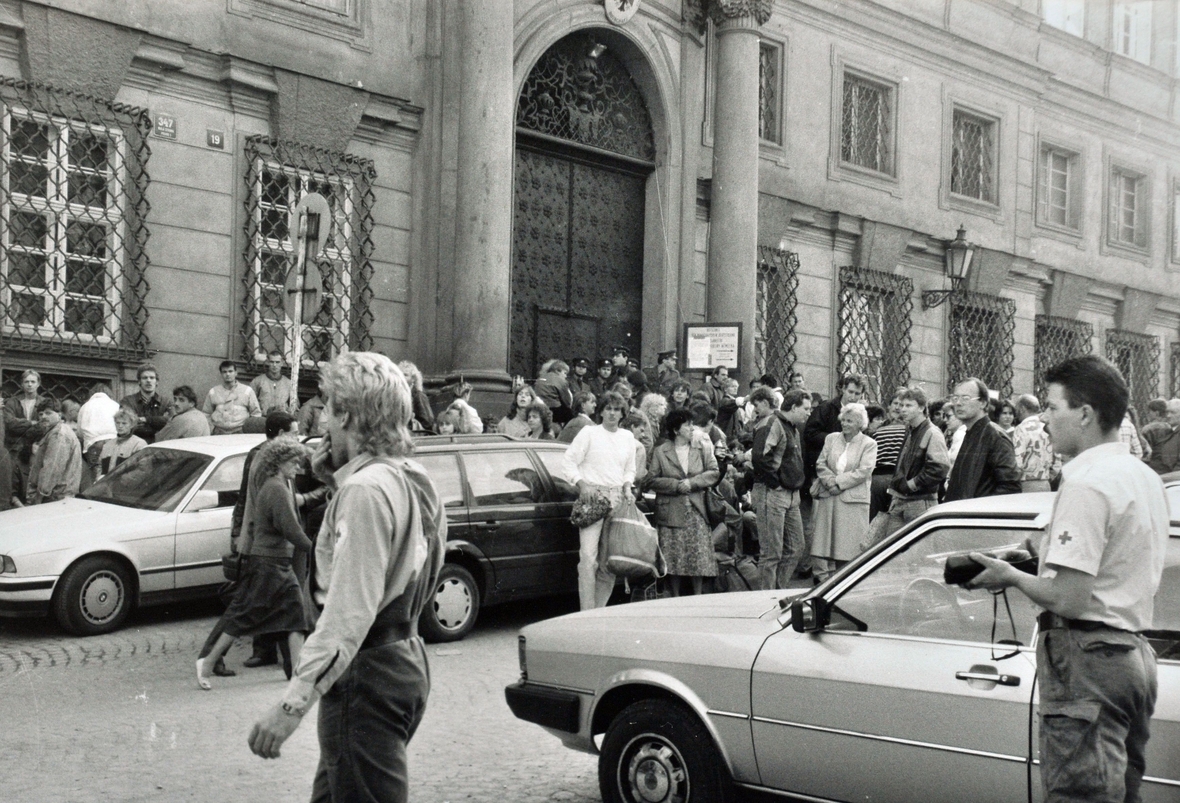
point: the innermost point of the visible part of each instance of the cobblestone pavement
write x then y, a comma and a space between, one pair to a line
120, 718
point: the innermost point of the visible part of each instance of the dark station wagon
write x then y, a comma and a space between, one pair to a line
509, 535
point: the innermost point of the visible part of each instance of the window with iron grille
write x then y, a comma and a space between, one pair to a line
1127, 222
1174, 366
1137, 356
982, 337
73, 209
973, 156
874, 329
1057, 339
60, 386
774, 314
769, 92
1058, 191
279, 175
866, 124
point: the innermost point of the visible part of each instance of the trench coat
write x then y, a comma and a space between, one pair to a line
842, 520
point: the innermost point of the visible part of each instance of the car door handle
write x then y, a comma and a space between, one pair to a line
488, 525
1003, 680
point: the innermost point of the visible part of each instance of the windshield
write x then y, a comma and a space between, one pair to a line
151, 479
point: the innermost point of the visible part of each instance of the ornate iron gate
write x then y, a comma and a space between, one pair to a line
774, 315
874, 330
982, 335
1057, 339
1138, 357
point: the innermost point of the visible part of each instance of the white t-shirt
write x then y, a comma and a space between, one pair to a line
600, 457
1110, 521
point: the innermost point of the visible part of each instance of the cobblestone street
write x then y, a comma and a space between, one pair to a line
120, 718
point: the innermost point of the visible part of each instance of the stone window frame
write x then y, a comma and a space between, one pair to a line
1118, 11
889, 79
778, 50
1140, 250
1174, 213
352, 25
999, 117
1072, 231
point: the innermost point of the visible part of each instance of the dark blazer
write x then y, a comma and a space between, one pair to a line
154, 411
664, 473
985, 465
21, 432
824, 420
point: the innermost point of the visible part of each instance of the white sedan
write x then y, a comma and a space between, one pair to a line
152, 531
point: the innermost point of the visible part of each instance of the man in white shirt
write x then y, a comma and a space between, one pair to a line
96, 426
601, 460
1100, 565
272, 389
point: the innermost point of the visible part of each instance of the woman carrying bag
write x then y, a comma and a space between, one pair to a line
841, 492
680, 470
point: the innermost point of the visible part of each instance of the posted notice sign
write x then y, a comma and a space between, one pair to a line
708, 345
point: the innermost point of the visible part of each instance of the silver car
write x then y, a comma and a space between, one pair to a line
883, 684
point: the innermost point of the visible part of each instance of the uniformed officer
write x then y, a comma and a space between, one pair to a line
1100, 565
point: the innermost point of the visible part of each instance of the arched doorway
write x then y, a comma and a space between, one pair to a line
584, 149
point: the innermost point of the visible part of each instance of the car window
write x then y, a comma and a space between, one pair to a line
552, 458
444, 471
1165, 620
151, 479
906, 595
1173, 492
226, 480
503, 478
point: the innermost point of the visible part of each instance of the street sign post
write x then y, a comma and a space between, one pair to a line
313, 219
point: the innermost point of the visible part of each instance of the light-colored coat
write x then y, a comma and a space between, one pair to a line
665, 474
842, 520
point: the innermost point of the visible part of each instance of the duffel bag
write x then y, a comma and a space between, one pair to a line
736, 573
632, 544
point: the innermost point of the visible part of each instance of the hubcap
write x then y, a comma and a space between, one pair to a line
654, 771
102, 597
452, 603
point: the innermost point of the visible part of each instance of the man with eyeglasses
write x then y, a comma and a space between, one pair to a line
986, 463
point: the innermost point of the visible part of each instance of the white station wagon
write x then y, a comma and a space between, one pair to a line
152, 531
883, 684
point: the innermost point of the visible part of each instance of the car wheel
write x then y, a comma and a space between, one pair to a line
94, 596
452, 610
657, 751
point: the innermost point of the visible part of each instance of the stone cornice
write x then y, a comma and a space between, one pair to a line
740, 14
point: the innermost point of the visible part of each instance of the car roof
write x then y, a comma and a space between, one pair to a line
214, 445
1003, 505
481, 443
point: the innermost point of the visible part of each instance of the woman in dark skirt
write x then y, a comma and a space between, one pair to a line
269, 598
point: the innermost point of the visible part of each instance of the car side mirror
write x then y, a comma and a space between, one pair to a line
203, 500
805, 615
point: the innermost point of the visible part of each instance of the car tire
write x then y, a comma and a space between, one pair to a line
452, 609
94, 596
656, 751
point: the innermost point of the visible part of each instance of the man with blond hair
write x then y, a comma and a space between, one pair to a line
378, 556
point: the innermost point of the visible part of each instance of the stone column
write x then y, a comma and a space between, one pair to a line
483, 213
733, 228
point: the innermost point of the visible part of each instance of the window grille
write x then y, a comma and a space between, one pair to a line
973, 157
866, 136
279, 175
874, 329
1056, 199
1174, 366
1137, 356
1128, 212
59, 386
1057, 339
768, 92
73, 209
982, 336
774, 316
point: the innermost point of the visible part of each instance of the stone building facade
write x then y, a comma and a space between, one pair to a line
512, 181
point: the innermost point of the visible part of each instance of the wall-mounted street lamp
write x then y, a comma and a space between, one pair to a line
958, 262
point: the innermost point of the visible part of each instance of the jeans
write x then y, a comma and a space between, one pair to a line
1098, 690
595, 583
779, 521
807, 512
366, 720
901, 512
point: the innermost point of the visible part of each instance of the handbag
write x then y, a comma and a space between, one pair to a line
231, 566
588, 510
632, 544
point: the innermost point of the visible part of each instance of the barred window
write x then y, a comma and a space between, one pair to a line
1058, 192
973, 157
1137, 356
1127, 225
774, 314
280, 176
1176, 222
1174, 366
982, 337
874, 329
61, 386
1068, 15
1057, 339
769, 92
72, 208
866, 124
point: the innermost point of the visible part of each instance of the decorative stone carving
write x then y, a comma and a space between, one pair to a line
620, 12
740, 13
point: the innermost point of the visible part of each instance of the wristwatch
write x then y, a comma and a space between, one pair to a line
291, 710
